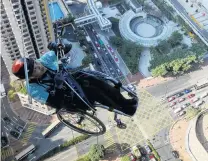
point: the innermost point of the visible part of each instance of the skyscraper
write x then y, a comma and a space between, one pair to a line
25, 29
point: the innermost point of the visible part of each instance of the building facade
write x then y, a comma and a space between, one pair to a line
36, 106
26, 29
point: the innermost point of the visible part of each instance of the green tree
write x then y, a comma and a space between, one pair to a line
175, 39
11, 94
159, 71
96, 152
87, 60
117, 41
164, 47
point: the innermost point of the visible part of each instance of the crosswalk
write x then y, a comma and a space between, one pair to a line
27, 134
5, 153
109, 145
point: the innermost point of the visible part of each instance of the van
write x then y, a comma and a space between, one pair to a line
178, 110
204, 94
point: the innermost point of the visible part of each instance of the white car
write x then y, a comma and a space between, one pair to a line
199, 103
147, 148
132, 87
182, 113
205, 94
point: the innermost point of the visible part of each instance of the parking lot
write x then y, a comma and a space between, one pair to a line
180, 102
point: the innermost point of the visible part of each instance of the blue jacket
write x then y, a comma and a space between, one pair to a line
36, 91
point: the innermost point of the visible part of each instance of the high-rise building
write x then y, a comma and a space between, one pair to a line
25, 29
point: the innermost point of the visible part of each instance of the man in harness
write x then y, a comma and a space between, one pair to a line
94, 89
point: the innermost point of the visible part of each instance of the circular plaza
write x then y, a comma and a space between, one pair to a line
142, 28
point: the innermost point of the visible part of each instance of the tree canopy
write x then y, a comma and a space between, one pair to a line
129, 51
175, 39
96, 152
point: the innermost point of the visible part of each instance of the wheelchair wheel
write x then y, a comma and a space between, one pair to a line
81, 121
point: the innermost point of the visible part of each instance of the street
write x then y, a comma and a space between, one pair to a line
104, 53
182, 10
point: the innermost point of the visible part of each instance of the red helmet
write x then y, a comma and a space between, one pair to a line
18, 67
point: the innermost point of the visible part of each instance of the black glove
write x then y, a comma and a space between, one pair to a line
54, 46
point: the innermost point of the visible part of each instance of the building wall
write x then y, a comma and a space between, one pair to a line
25, 29
36, 106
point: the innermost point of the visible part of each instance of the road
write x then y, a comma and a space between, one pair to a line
182, 10
106, 55
6, 111
179, 83
161, 143
58, 137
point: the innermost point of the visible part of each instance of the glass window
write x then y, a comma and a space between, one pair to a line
33, 18
32, 13
30, 2
16, 6
14, 1
16, 12
35, 27
35, 22
30, 8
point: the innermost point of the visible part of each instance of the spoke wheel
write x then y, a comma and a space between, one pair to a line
90, 124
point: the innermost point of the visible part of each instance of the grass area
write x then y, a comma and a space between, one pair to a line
125, 158
115, 26
84, 158
191, 113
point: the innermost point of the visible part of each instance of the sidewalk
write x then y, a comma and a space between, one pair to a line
177, 136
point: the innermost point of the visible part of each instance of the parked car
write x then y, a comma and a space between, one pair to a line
14, 134
7, 120
187, 91
142, 150
182, 113
132, 157
186, 105
136, 152
171, 99
181, 100
143, 159
178, 110
147, 148
191, 95
175, 154
199, 103
19, 128
204, 94
172, 104
195, 100
4, 141
152, 157
179, 94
